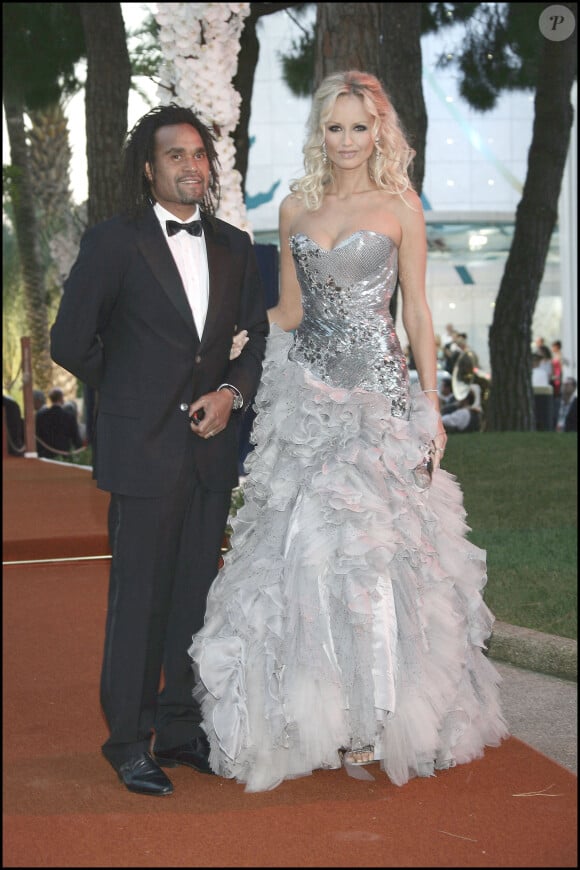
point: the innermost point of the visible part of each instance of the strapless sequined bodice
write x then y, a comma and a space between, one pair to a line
347, 336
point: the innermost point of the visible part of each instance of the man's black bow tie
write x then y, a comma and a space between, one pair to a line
193, 227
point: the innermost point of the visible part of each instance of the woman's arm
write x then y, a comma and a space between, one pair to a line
287, 314
417, 318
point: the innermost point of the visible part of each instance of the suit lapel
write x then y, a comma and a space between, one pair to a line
217, 247
155, 249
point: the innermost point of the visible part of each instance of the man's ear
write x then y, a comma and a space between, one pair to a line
148, 172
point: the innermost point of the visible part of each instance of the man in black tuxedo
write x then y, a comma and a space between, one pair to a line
147, 319
56, 428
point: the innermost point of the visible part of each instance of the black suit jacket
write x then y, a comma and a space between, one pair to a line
56, 428
124, 327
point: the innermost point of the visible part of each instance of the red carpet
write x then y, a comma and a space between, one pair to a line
64, 807
51, 510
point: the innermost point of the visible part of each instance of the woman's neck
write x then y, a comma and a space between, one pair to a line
347, 184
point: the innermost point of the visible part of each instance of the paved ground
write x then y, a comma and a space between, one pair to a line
542, 710
539, 689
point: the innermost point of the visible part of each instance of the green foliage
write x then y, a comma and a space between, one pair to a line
145, 51
237, 500
42, 43
298, 64
499, 47
80, 457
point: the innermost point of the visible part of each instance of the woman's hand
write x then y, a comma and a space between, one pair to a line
438, 445
239, 342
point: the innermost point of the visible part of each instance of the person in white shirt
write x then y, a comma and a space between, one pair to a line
540, 376
463, 418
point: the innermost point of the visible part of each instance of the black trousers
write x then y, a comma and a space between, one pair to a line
165, 554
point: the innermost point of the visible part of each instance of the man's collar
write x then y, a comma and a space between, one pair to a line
163, 215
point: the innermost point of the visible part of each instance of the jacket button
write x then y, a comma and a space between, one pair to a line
198, 359
184, 406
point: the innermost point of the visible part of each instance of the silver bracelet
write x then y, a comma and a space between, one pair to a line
430, 391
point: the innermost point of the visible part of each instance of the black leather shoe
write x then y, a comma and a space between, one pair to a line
144, 776
193, 754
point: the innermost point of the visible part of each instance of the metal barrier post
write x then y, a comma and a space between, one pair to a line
29, 422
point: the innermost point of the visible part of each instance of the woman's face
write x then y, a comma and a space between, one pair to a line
348, 133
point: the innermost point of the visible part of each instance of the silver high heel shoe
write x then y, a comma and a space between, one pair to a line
354, 761
360, 756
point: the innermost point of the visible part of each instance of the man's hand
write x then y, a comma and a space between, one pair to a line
217, 408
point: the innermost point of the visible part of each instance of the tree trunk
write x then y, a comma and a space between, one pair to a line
243, 83
29, 247
347, 37
401, 70
50, 155
107, 97
511, 406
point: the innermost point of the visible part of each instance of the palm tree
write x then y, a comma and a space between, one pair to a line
49, 158
42, 42
13, 323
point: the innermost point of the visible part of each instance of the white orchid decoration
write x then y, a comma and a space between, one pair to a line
200, 43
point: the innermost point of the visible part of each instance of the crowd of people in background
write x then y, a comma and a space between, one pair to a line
554, 392
461, 406
58, 429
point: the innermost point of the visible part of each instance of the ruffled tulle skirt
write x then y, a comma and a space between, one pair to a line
349, 610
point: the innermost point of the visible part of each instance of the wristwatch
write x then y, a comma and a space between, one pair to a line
238, 398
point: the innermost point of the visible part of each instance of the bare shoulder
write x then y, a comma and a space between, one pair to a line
409, 207
291, 215
410, 215
291, 206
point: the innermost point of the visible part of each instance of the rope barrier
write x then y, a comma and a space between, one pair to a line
17, 449
61, 452
12, 445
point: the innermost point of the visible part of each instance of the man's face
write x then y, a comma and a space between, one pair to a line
179, 174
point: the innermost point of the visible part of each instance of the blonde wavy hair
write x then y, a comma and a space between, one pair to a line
393, 154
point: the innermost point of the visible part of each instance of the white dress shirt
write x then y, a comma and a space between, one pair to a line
458, 419
190, 255
540, 377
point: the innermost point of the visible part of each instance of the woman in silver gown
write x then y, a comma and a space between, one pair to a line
347, 624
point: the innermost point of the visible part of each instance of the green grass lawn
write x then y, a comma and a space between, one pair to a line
520, 492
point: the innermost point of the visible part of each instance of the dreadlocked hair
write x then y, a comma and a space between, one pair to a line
139, 149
